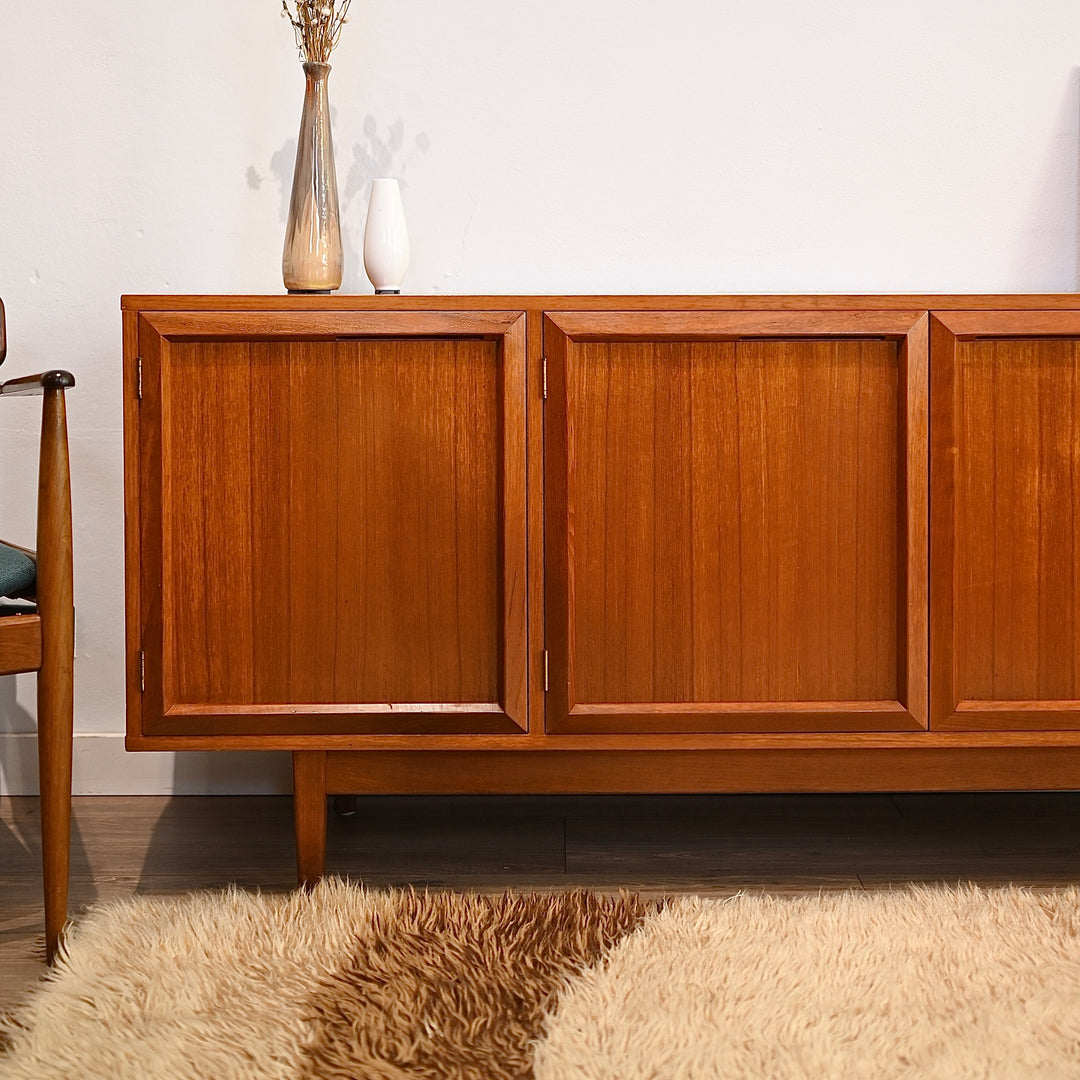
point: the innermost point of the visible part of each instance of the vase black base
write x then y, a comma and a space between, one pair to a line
309, 292
387, 292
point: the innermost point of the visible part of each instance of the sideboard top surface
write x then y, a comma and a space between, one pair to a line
774, 302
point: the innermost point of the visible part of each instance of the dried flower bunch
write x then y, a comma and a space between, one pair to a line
317, 25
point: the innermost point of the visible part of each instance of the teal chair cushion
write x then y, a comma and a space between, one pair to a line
16, 571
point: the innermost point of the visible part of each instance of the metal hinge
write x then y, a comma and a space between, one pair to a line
545, 671
142, 671
138, 377
544, 370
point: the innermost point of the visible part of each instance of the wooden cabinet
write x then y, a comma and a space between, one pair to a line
607, 544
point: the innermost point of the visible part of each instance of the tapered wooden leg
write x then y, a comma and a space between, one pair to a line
54, 771
309, 811
55, 605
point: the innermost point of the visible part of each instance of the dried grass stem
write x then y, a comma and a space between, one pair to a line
317, 25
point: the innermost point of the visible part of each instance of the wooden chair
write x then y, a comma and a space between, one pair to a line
41, 638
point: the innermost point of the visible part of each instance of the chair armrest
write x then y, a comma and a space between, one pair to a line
37, 384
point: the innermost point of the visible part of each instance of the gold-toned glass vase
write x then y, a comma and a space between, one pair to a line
312, 260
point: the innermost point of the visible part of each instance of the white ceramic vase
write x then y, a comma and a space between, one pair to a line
386, 239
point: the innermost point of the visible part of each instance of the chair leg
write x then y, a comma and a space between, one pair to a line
55, 679
54, 768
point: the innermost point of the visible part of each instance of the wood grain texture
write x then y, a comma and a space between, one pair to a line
20, 644
1009, 556
146, 697
729, 509
1025, 319
55, 680
512, 514
133, 550
344, 521
943, 453
951, 302
822, 741
913, 624
908, 768
309, 814
675, 325
1023, 741
534, 427
329, 325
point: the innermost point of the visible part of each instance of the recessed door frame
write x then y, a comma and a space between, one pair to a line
564, 713
153, 711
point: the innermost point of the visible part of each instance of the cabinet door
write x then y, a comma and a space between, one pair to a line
735, 521
332, 512
1005, 530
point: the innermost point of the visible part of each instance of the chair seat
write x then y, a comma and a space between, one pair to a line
17, 571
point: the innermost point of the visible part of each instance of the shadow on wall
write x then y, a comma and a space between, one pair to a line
14, 718
281, 165
232, 772
1072, 195
18, 740
1057, 201
380, 153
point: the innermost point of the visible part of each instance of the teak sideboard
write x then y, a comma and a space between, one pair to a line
607, 543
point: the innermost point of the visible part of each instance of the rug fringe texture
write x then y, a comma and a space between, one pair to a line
922, 982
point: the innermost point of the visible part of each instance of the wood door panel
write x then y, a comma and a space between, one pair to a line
338, 489
335, 523
708, 573
1006, 566
735, 518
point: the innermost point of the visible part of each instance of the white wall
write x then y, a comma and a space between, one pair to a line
571, 146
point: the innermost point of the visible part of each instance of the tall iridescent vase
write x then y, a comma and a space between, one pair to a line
312, 260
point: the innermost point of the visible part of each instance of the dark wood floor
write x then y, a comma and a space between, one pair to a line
659, 844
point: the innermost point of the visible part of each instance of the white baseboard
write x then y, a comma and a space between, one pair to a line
101, 766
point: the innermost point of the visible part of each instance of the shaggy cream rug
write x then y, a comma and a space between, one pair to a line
345, 983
